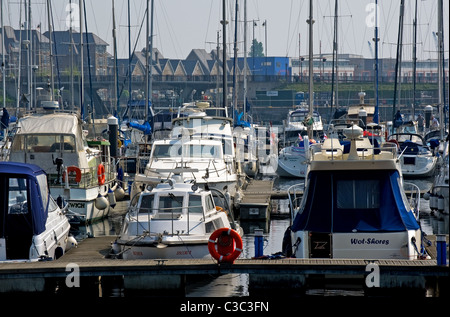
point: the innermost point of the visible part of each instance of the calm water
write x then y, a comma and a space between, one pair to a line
237, 284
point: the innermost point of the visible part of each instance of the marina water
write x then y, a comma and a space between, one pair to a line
236, 285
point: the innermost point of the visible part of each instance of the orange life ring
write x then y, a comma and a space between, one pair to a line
229, 245
71, 169
101, 174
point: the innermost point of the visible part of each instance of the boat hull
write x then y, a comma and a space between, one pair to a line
418, 166
358, 245
170, 251
292, 165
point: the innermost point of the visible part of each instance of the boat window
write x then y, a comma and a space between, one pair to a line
195, 204
52, 205
146, 205
17, 196
209, 202
161, 151
42, 181
50, 143
204, 151
170, 203
18, 143
227, 147
358, 194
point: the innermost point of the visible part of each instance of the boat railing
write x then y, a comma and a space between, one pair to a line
87, 178
385, 151
295, 195
413, 192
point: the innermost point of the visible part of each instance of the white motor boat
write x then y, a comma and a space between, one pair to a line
439, 192
200, 160
79, 170
297, 124
174, 220
292, 158
202, 131
416, 157
354, 205
32, 226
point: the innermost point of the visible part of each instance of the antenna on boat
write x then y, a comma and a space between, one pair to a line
310, 21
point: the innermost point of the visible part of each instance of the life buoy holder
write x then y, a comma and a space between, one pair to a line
229, 245
71, 169
101, 174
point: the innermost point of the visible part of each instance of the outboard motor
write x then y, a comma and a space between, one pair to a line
59, 166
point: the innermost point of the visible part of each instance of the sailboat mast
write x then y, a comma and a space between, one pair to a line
150, 79
52, 82
129, 54
235, 83
310, 21
414, 59
81, 60
146, 64
398, 59
224, 54
116, 79
3, 55
441, 80
376, 117
245, 59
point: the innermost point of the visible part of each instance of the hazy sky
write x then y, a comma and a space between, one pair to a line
182, 25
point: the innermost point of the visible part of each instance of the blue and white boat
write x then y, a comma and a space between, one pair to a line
32, 225
354, 205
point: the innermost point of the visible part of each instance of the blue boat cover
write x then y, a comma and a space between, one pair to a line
329, 209
30, 172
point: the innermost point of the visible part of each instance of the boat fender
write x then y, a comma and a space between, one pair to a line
101, 174
287, 243
119, 192
111, 198
440, 203
101, 202
426, 196
73, 169
433, 202
229, 245
71, 243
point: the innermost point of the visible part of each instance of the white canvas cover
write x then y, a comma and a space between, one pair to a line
49, 124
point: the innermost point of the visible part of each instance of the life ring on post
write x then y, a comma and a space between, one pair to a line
71, 169
101, 174
229, 245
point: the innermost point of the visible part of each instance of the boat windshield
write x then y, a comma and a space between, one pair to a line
189, 150
170, 203
44, 143
195, 204
17, 196
301, 116
146, 205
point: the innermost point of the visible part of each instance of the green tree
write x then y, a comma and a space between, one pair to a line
256, 50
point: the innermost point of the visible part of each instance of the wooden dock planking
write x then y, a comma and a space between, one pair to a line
93, 255
91, 258
255, 205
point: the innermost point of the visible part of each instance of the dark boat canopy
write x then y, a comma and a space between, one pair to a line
24, 190
339, 201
